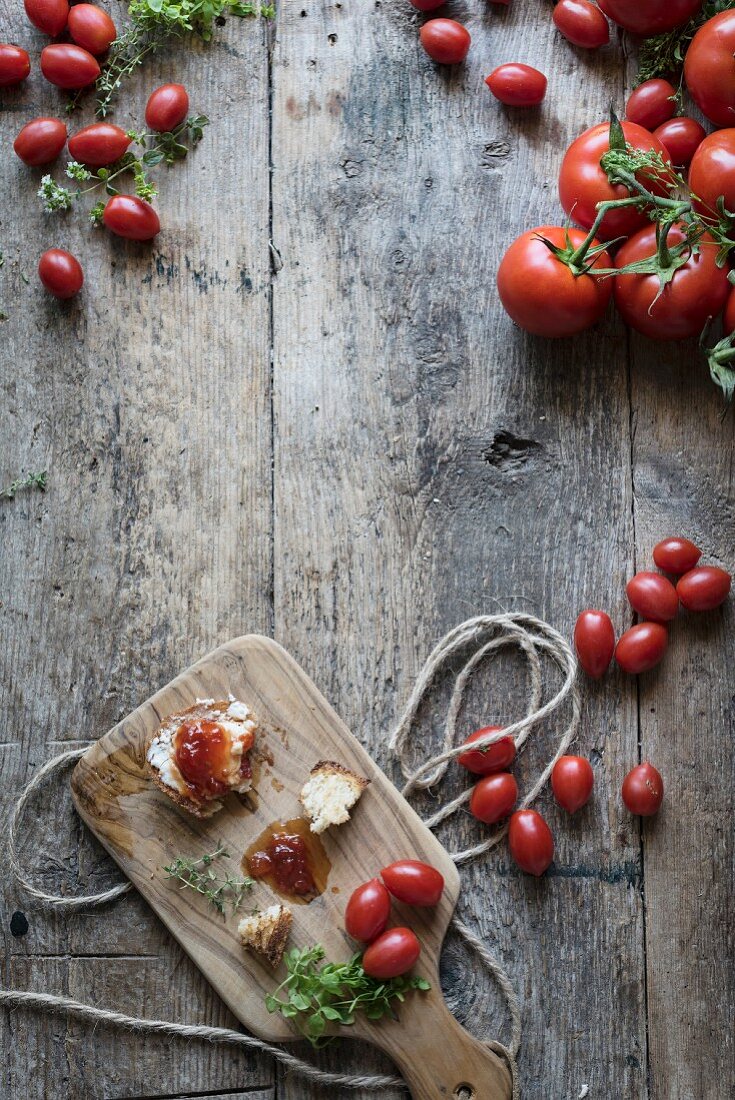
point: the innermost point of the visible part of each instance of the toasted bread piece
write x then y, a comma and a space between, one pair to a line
330, 794
266, 933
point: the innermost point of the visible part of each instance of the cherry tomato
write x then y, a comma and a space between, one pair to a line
641, 647
517, 85
676, 555
709, 71
15, 65
445, 41
703, 588
414, 882
651, 103
68, 66
649, 17
91, 28
61, 273
572, 780
494, 797
49, 16
99, 144
582, 23
643, 790
530, 840
542, 294
698, 290
653, 596
166, 107
712, 174
495, 758
367, 911
582, 182
131, 217
392, 954
594, 641
427, 5
40, 141
681, 137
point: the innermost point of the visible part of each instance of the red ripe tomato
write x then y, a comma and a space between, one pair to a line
414, 882
99, 144
91, 28
709, 71
495, 758
582, 23
572, 780
676, 555
68, 66
367, 911
681, 137
712, 173
541, 293
653, 596
517, 85
594, 641
392, 954
49, 16
445, 41
643, 790
40, 141
427, 5
641, 647
582, 182
651, 103
697, 291
494, 797
167, 107
530, 840
15, 65
61, 273
131, 217
649, 17
704, 588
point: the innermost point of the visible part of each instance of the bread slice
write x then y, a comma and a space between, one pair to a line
266, 933
330, 794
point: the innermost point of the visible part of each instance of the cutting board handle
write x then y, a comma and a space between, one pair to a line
436, 1056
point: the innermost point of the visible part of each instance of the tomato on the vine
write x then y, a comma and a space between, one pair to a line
15, 65
167, 107
572, 780
681, 137
61, 273
543, 294
653, 596
131, 217
392, 954
494, 797
704, 588
650, 16
517, 85
676, 554
641, 648
709, 71
651, 103
92, 28
530, 841
69, 66
643, 790
413, 882
367, 911
494, 758
445, 41
594, 641
40, 141
49, 16
582, 23
583, 183
99, 144
712, 174
697, 291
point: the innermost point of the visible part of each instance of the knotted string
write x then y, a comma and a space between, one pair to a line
472, 641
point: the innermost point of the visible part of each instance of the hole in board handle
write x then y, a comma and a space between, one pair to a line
464, 1092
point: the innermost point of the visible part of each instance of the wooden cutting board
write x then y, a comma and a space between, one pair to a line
143, 830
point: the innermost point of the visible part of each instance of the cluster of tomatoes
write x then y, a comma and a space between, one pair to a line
393, 952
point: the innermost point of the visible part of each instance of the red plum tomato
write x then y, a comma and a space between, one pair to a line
49, 16
91, 28
676, 555
99, 144
641, 647
15, 65
494, 797
494, 758
704, 588
517, 85
582, 23
131, 217
653, 596
651, 103
61, 273
367, 911
413, 882
167, 107
427, 5
392, 954
594, 641
69, 66
445, 41
572, 780
681, 137
643, 790
40, 141
530, 841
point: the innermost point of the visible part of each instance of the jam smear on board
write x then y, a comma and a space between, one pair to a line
291, 859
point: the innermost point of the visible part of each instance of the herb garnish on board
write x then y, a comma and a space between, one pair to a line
198, 875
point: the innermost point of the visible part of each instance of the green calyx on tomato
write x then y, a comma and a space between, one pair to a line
668, 258
721, 360
580, 259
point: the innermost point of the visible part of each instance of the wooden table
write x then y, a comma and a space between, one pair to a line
303, 412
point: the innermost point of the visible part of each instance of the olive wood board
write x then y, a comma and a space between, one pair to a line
143, 830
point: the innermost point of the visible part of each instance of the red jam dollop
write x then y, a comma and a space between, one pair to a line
202, 753
285, 859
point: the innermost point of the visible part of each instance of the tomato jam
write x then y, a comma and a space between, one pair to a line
290, 858
202, 753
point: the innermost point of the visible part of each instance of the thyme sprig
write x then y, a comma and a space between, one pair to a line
663, 55
30, 481
315, 995
198, 875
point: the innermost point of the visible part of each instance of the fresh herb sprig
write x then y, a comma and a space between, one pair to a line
30, 481
663, 55
198, 875
315, 995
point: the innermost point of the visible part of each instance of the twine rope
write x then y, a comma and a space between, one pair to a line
472, 642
